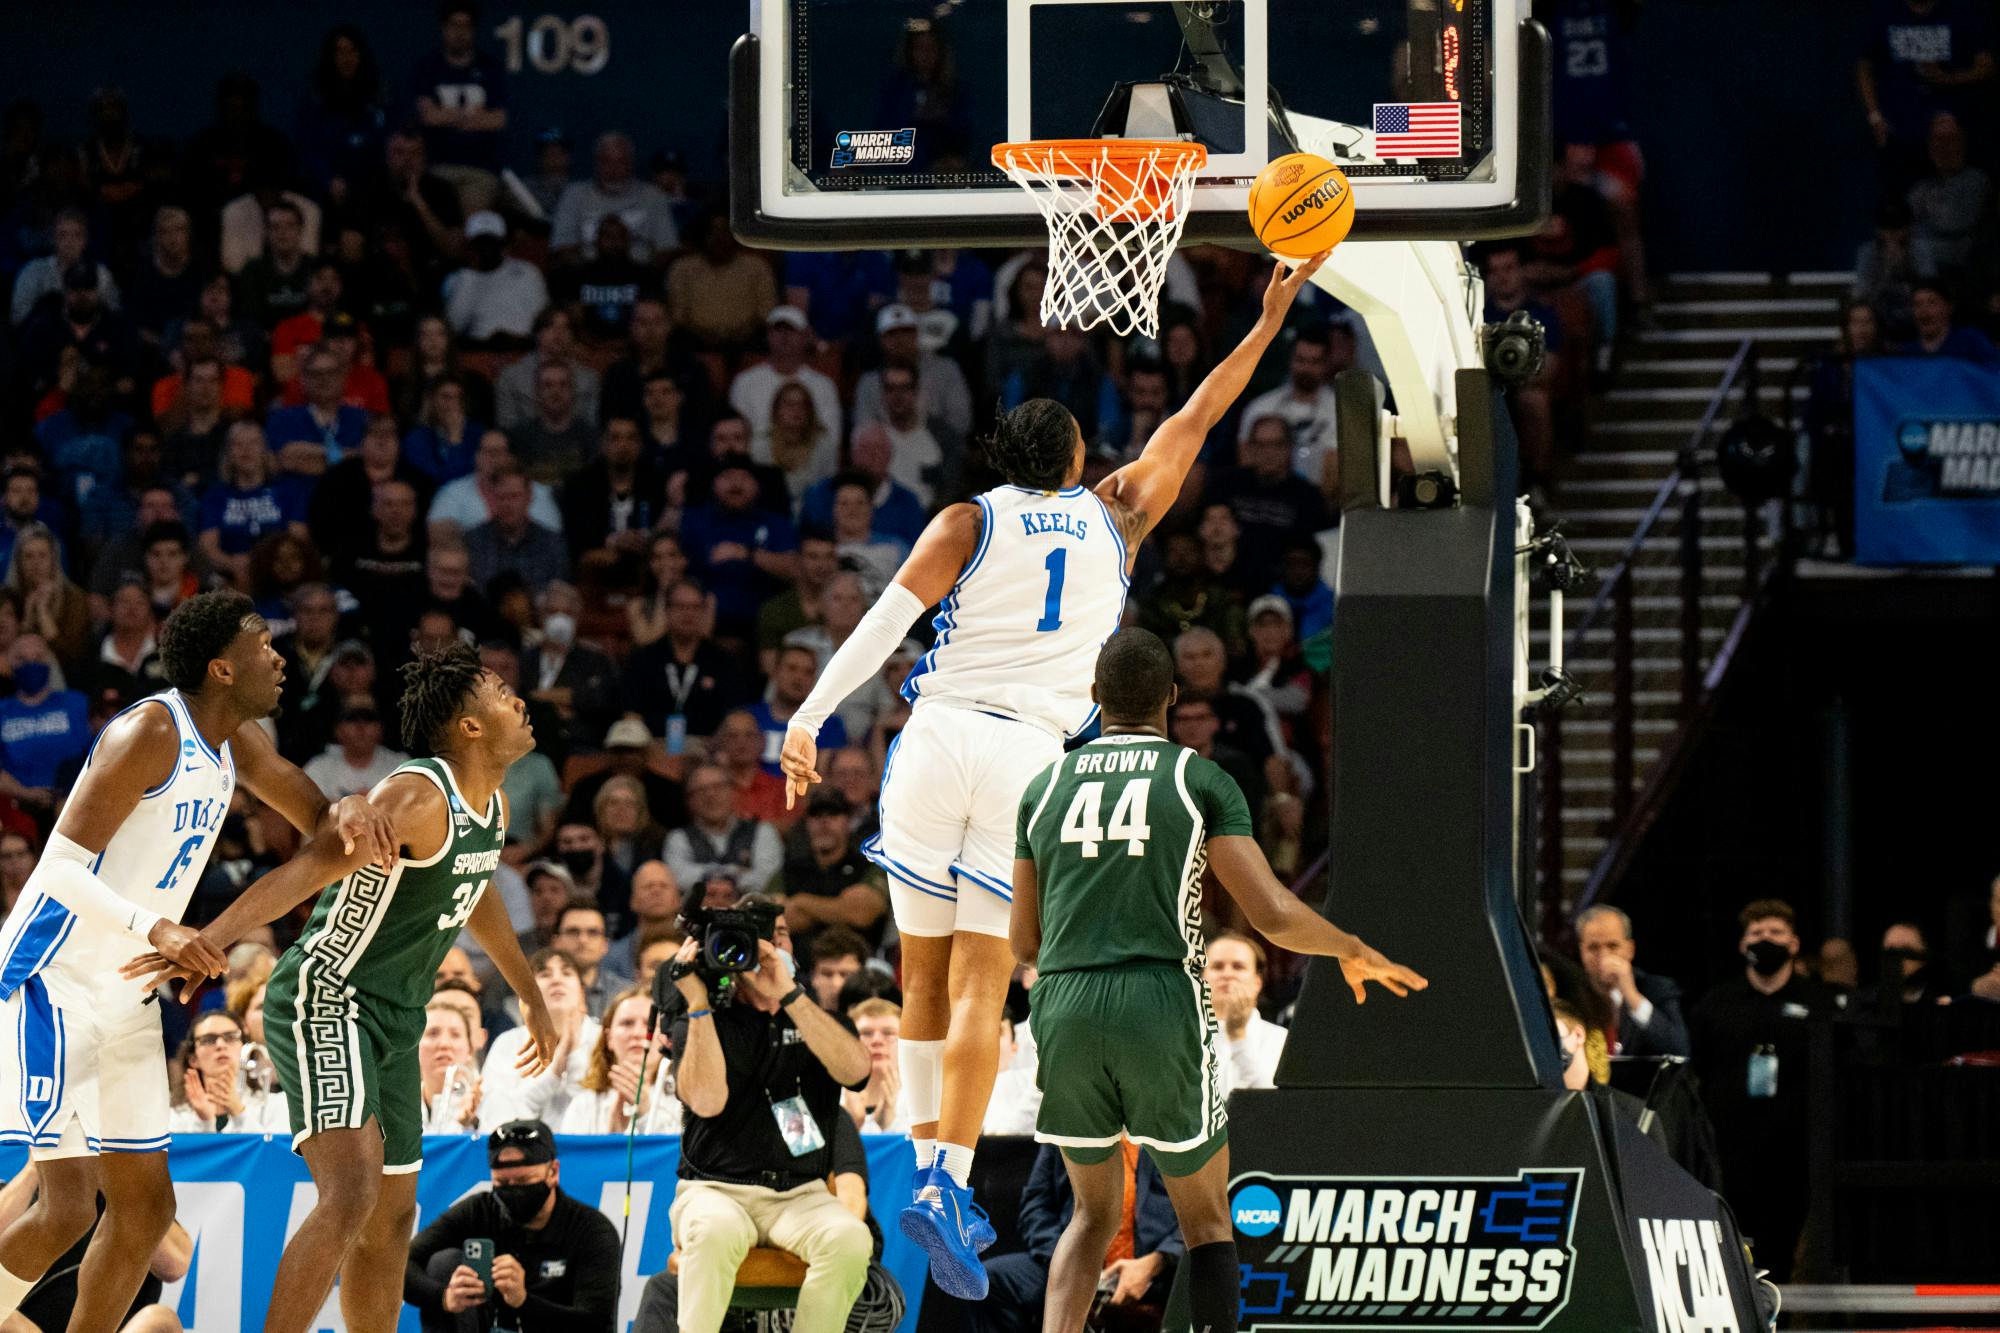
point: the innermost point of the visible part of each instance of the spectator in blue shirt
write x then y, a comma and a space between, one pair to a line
739, 551
791, 680
22, 504
85, 441
1938, 335
840, 291
445, 439
461, 97
311, 438
42, 725
1303, 589
898, 511
248, 503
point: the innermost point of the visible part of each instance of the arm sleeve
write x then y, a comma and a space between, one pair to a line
860, 659
64, 874
419, 1287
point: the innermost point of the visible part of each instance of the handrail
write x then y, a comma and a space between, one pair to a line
1632, 793
1690, 453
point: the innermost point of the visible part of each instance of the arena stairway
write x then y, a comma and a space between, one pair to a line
1667, 374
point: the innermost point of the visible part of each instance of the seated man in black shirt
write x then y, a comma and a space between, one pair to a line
50, 1301
827, 881
761, 1074
554, 1260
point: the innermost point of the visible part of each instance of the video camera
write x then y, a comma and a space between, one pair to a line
729, 937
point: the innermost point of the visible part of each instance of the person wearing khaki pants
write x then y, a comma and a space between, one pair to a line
761, 1077
716, 1224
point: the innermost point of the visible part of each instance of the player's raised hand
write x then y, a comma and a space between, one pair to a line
800, 761
361, 823
540, 1051
1286, 283
1369, 966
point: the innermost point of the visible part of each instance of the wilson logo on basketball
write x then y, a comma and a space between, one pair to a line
1328, 193
1286, 175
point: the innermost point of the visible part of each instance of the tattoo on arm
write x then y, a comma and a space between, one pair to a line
1132, 523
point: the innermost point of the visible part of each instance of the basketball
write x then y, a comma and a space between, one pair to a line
1300, 205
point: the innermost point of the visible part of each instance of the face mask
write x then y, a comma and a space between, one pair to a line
560, 630
579, 862
791, 963
1767, 957
1893, 959
522, 1202
31, 677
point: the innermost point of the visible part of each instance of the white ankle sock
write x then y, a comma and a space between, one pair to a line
923, 1080
926, 1152
956, 1159
12, 1290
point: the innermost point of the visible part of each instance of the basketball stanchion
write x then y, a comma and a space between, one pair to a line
1115, 209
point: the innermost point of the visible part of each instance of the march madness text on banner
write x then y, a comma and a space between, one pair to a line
242, 1196
1926, 462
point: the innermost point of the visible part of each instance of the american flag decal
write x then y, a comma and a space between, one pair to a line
1416, 129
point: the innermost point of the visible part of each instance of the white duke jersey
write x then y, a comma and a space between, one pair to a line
155, 859
1020, 631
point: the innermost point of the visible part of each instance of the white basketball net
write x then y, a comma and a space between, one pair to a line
1114, 219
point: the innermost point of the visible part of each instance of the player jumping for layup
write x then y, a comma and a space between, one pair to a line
1112, 841
83, 1078
1029, 580
346, 1003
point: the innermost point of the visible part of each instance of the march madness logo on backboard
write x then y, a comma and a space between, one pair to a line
874, 148
1489, 1252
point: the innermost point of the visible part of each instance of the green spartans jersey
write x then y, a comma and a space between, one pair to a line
1117, 830
384, 933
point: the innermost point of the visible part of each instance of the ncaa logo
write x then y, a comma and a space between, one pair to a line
1256, 1210
1914, 439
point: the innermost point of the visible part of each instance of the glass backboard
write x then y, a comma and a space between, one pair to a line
871, 122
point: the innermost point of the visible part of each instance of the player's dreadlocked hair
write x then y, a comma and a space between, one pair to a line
1135, 673
437, 689
201, 630
1034, 444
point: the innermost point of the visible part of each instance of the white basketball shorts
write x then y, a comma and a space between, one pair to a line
950, 793
77, 1080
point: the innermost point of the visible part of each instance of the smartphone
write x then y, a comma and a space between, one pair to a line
479, 1258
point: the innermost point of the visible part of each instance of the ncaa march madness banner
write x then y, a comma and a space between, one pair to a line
1926, 462
241, 1196
1490, 1252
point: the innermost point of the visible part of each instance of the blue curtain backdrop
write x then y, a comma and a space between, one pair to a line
242, 1195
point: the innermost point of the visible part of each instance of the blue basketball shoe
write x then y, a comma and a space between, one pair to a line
952, 1230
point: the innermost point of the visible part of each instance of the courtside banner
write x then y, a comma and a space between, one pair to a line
1446, 1252
1926, 462
242, 1196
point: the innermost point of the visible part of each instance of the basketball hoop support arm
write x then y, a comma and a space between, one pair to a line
1421, 302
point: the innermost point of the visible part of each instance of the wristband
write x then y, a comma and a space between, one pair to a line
793, 994
700, 1013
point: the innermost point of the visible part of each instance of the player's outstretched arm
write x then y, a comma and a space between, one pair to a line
416, 813
284, 786
489, 925
934, 564
1147, 486
1024, 922
137, 753
1288, 923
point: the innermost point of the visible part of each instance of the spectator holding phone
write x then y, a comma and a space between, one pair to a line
522, 1254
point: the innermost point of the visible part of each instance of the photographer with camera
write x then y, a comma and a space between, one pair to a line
760, 1068
522, 1255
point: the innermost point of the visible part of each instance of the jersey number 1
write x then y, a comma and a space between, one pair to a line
1051, 619
1083, 821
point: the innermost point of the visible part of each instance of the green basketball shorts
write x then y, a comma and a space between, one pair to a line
344, 1059
1129, 1052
